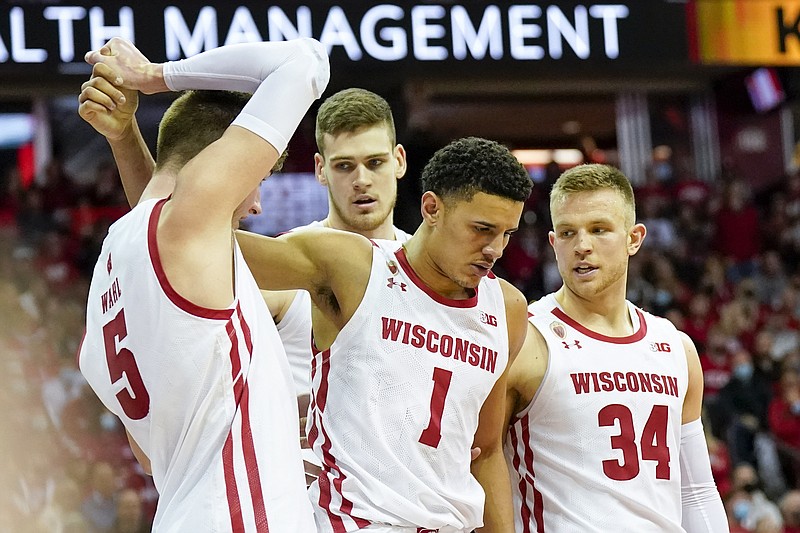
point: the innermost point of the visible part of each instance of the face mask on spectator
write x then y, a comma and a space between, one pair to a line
740, 510
743, 371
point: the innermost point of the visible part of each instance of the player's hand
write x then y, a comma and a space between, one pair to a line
475, 452
133, 69
107, 107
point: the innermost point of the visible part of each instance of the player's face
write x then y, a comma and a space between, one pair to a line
250, 206
471, 235
361, 170
592, 242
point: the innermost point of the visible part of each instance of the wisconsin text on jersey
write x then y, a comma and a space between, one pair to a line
586, 382
459, 349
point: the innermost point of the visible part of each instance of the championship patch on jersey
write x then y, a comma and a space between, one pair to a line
392, 266
559, 330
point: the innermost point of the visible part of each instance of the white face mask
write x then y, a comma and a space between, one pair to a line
108, 422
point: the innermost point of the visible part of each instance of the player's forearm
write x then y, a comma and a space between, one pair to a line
134, 162
703, 511
492, 473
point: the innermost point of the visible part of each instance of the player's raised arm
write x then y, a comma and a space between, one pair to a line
285, 79
111, 110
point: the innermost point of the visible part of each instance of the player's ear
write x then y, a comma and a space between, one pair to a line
319, 169
636, 237
400, 158
431, 207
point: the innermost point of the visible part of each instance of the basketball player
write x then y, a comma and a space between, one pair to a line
179, 343
604, 399
411, 348
359, 161
346, 153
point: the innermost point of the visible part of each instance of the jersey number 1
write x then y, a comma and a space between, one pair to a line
432, 434
653, 443
120, 361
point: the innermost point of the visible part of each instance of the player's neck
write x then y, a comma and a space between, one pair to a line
385, 231
427, 270
607, 314
161, 185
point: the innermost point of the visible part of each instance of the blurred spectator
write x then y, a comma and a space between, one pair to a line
669, 290
763, 359
699, 319
32, 219
714, 281
750, 503
63, 514
130, 517
640, 291
106, 190
770, 278
100, 507
743, 403
690, 191
661, 233
737, 231
784, 422
720, 461
717, 370
790, 511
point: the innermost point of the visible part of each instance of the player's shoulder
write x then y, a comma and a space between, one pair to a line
541, 306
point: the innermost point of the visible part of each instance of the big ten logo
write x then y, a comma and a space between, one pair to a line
489, 320
660, 347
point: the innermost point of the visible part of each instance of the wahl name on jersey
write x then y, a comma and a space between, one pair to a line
587, 382
110, 296
459, 349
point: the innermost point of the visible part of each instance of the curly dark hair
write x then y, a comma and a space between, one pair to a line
471, 165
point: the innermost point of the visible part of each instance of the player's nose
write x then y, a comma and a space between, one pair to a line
583, 243
361, 177
255, 208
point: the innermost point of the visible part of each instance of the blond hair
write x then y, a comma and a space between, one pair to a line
594, 177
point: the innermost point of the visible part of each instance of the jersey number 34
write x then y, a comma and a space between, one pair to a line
653, 442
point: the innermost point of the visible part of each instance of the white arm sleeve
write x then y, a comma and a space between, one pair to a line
284, 77
703, 511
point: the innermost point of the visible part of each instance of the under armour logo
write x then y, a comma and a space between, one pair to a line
392, 283
577, 344
108, 264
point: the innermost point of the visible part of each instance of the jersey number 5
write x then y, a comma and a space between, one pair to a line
653, 443
432, 434
120, 361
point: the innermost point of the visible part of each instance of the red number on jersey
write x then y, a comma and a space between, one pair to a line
121, 361
653, 442
432, 434
629, 467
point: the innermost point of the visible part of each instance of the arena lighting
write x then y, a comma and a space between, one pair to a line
16, 129
538, 157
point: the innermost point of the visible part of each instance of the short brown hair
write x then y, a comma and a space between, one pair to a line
350, 110
594, 177
195, 120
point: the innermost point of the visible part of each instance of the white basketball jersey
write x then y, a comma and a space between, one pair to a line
295, 328
207, 394
597, 448
395, 402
